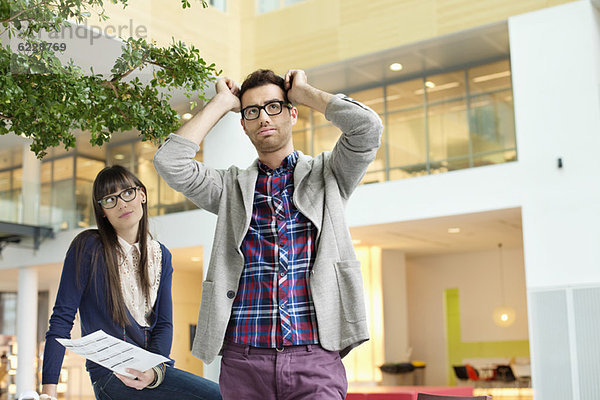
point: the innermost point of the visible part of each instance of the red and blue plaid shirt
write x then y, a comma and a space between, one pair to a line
273, 306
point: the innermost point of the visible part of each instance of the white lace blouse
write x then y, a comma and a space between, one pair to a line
138, 305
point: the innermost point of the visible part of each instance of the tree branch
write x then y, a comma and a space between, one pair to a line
119, 77
12, 18
6, 117
109, 84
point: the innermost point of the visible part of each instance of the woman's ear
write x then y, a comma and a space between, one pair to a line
143, 195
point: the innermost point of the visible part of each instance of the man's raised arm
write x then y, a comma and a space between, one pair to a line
174, 160
224, 101
300, 92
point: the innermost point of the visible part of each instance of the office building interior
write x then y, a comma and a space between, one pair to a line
476, 225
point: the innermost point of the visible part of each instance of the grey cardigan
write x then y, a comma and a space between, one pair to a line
322, 186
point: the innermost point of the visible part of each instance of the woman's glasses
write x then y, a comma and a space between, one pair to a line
108, 202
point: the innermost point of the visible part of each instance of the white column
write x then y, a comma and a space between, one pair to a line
395, 306
31, 187
27, 312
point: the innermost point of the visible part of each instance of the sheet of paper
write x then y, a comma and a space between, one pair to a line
112, 353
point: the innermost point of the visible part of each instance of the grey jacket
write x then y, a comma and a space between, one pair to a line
322, 186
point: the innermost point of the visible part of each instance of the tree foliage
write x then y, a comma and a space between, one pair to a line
46, 100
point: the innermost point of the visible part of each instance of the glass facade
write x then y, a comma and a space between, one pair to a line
432, 124
66, 179
219, 4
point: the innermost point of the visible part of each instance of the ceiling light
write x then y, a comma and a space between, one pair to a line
119, 156
429, 84
196, 259
503, 315
437, 88
396, 67
453, 230
497, 75
186, 116
356, 241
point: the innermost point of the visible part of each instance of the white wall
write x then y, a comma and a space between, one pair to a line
556, 69
555, 56
476, 275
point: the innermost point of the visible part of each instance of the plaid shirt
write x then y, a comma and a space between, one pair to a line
273, 306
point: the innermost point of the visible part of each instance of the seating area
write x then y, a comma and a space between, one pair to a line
493, 373
407, 392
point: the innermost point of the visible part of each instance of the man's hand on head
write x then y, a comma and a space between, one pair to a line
229, 91
300, 92
296, 85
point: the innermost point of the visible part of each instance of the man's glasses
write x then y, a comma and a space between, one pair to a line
271, 108
108, 202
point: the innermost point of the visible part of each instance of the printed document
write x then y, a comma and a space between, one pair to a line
112, 353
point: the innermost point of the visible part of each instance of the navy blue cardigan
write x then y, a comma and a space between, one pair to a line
90, 298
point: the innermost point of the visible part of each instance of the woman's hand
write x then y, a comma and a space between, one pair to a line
142, 380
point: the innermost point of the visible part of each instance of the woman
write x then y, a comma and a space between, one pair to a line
120, 281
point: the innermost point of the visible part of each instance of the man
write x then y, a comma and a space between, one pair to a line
283, 298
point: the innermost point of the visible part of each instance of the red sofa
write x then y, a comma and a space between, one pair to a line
405, 392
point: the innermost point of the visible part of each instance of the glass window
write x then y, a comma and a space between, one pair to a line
88, 168
404, 95
301, 141
63, 207
169, 197
83, 203
448, 131
372, 98
9, 212
4, 181
46, 172
303, 121
149, 177
121, 155
490, 77
45, 209
325, 138
406, 133
218, 4
267, 5
17, 178
63, 169
270, 5
444, 87
11, 157
492, 122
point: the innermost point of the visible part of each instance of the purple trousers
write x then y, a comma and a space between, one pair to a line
294, 373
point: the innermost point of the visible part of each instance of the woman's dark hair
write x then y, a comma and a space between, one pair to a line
263, 77
111, 180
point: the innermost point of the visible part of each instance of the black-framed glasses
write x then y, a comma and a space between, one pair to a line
127, 195
271, 108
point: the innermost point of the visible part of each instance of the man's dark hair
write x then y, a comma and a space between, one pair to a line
263, 77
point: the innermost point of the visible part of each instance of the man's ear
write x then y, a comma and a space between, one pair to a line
294, 115
243, 123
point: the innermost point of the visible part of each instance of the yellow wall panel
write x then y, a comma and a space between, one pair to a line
187, 290
386, 24
365, 27
215, 33
456, 15
312, 32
